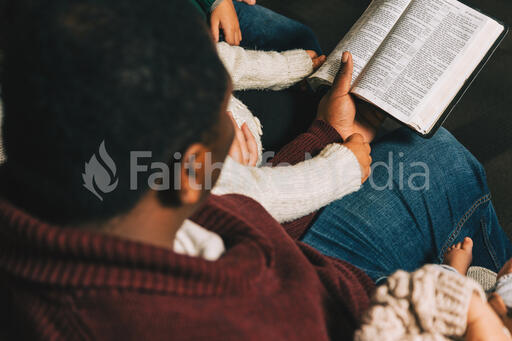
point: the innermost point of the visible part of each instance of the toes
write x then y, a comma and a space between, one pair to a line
458, 245
467, 244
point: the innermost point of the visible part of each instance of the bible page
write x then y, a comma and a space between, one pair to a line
418, 56
363, 39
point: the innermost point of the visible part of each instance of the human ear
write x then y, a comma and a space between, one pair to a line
193, 174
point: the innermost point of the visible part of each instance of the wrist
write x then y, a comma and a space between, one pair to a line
344, 132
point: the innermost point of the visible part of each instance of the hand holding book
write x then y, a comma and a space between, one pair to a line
415, 58
344, 113
338, 108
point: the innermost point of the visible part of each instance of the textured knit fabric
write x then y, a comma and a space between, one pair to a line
291, 192
242, 115
69, 284
196, 241
261, 70
288, 193
485, 277
428, 304
251, 69
504, 289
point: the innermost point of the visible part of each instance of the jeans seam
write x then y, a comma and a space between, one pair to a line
487, 242
484, 199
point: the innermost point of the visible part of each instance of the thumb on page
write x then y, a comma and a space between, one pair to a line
343, 80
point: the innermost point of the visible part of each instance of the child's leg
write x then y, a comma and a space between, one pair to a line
263, 29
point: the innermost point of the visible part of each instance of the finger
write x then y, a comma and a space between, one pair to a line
230, 114
235, 152
344, 78
356, 138
312, 54
252, 147
229, 35
239, 135
322, 59
243, 147
366, 175
214, 26
318, 61
239, 35
236, 41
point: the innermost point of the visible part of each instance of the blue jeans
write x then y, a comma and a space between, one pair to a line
408, 224
263, 29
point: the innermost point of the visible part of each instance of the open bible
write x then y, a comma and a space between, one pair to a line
414, 59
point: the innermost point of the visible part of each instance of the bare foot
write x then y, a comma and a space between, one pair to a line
460, 255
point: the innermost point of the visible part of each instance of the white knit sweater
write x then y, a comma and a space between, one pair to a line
428, 304
289, 192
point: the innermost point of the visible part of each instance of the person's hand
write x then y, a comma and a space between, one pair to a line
368, 120
361, 150
483, 323
244, 149
224, 17
506, 269
248, 2
317, 60
337, 107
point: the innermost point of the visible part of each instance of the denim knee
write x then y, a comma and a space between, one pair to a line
457, 162
447, 161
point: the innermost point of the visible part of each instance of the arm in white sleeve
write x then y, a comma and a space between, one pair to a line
291, 192
251, 69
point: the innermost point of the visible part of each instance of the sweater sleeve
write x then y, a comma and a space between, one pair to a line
319, 135
291, 192
251, 69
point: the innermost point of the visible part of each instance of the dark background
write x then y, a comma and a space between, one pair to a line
482, 121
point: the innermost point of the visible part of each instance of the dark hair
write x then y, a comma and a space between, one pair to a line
139, 75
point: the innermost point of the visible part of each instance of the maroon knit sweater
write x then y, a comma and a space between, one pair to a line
67, 284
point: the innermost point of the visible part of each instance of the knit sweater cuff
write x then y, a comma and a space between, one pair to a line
325, 132
299, 64
291, 192
251, 69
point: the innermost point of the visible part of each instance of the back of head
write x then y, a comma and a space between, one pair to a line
138, 75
